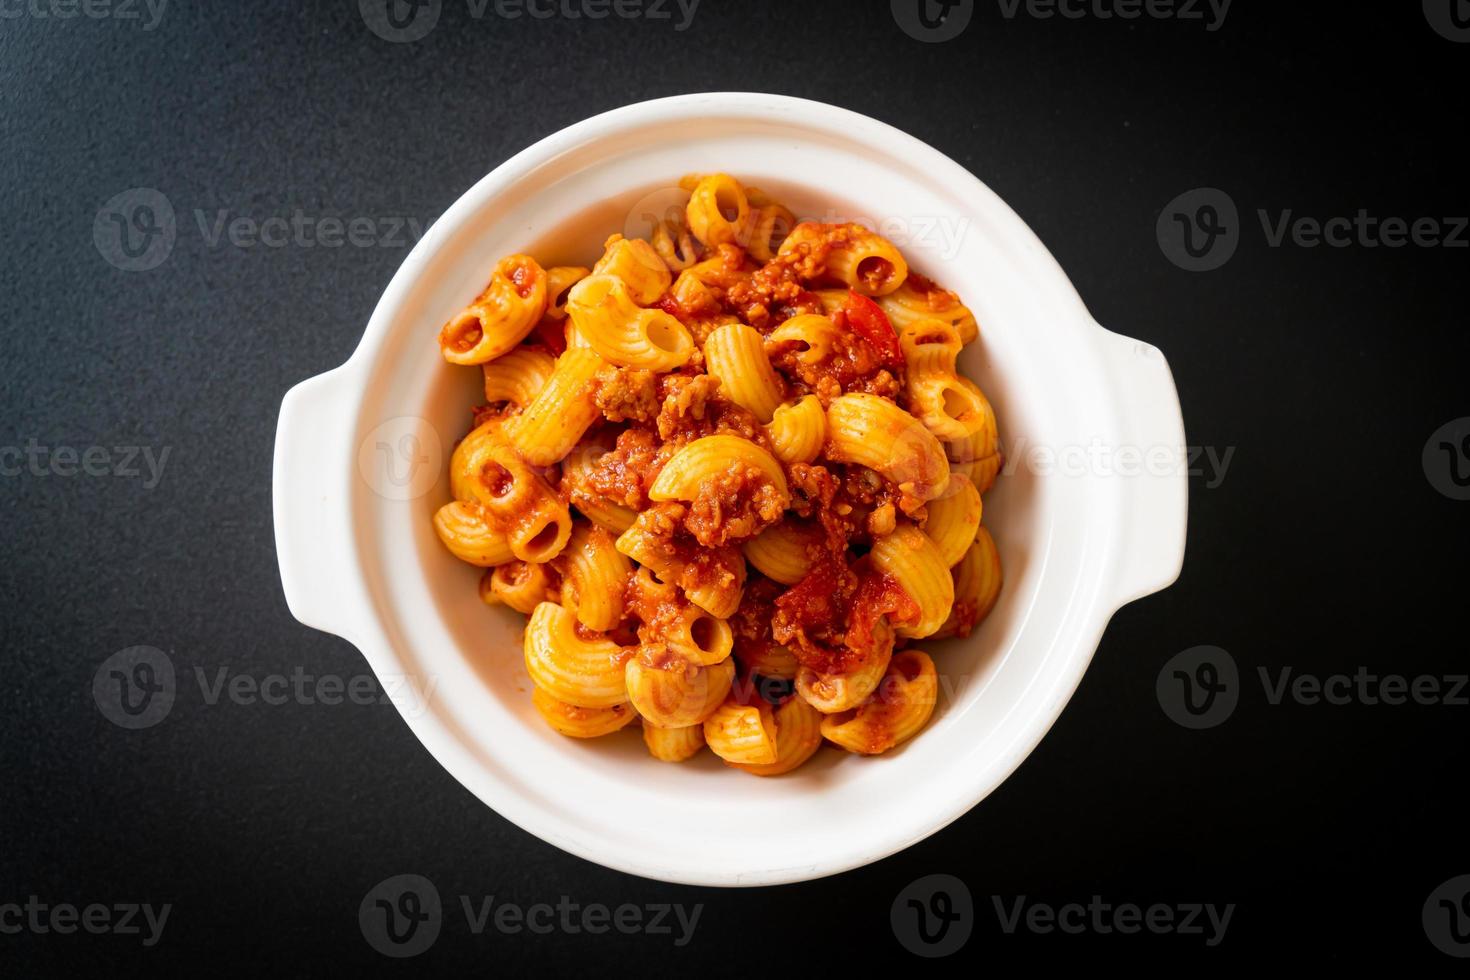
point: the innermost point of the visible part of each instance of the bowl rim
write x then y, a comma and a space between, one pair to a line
367, 630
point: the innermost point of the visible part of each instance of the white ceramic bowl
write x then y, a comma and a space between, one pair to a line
361, 453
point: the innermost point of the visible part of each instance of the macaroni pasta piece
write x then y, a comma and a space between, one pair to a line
594, 574
834, 692
718, 211
577, 480
561, 413
637, 265
514, 498
559, 280
775, 662
736, 355
517, 377
575, 722
704, 459
798, 430
950, 406
954, 518
798, 736
673, 744
915, 562
860, 259
470, 536
727, 473
783, 552
742, 734
920, 299
895, 714
500, 317
609, 319
977, 583
677, 694
569, 666
876, 433
521, 585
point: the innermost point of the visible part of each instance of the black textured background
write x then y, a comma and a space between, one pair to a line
1325, 548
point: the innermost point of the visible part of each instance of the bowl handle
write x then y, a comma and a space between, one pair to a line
311, 487
1156, 500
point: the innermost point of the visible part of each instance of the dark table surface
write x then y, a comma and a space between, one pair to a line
139, 407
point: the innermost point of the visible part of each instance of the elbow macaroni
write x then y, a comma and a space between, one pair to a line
500, 317
798, 431
609, 319
736, 355
734, 473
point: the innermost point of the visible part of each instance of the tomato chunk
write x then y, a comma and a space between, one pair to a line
869, 322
